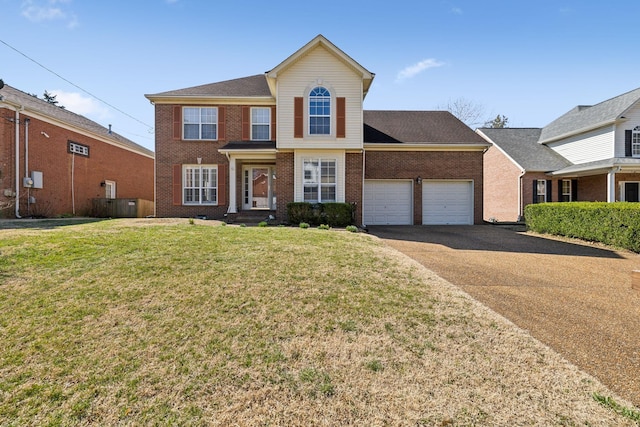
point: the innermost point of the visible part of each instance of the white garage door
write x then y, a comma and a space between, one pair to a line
388, 202
447, 202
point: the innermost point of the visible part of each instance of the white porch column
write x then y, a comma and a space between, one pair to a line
232, 186
611, 185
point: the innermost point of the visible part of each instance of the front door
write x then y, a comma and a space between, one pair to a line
258, 187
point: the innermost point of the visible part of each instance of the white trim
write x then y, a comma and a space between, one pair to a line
416, 146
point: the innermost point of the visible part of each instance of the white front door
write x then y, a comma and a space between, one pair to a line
258, 187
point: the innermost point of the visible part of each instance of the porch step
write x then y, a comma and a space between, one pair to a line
252, 217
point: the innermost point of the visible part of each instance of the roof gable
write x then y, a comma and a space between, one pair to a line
521, 145
320, 40
417, 127
584, 118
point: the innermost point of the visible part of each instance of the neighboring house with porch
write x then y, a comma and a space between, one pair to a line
54, 162
299, 133
591, 153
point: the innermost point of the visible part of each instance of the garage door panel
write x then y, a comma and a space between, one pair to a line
388, 202
447, 202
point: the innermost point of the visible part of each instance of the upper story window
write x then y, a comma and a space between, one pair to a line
635, 142
319, 111
200, 123
76, 148
260, 124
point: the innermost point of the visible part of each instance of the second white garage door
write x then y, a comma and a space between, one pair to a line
388, 202
447, 202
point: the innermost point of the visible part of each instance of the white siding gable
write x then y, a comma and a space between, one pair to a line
633, 120
590, 146
319, 67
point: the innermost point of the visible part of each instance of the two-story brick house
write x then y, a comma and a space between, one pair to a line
299, 133
590, 153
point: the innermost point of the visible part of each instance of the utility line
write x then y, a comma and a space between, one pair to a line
75, 85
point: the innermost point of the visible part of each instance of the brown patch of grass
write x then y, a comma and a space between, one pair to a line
119, 322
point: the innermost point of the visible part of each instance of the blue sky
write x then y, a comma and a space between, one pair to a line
528, 60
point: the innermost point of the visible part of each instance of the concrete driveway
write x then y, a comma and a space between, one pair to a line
575, 297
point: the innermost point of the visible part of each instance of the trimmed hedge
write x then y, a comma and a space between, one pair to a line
616, 224
333, 214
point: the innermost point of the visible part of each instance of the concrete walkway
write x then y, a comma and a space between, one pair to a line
575, 297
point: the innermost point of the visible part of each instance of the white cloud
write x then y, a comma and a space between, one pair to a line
48, 10
80, 104
456, 11
415, 69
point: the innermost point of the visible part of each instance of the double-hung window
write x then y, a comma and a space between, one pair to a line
566, 190
319, 111
635, 142
319, 180
541, 191
200, 123
200, 185
260, 124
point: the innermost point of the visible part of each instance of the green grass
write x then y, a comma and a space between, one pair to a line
114, 323
178, 322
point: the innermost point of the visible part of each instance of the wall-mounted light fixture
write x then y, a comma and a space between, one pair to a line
419, 180
102, 184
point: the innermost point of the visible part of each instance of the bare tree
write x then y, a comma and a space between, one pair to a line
469, 112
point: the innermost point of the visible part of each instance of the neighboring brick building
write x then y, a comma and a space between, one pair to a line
299, 133
55, 162
591, 153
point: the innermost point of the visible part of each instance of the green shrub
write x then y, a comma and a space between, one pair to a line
352, 228
338, 214
304, 225
333, 214
263, 224
616, 224
324, 227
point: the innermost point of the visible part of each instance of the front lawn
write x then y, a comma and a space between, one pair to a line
150, 322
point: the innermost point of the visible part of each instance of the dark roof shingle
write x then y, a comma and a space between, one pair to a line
521, 144
32, 103
418, 127
251, 86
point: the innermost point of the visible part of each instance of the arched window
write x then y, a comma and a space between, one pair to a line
319, 111
635, 142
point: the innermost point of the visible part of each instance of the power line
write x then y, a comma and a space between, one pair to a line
75, 85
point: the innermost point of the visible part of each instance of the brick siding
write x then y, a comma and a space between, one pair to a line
132, 172
445, 165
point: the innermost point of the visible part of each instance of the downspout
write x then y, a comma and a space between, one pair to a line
362, 197
26, 161
520, 208
17, 197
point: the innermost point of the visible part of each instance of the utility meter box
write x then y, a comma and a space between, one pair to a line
36, 177
27, 182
